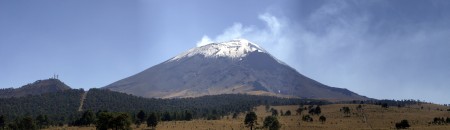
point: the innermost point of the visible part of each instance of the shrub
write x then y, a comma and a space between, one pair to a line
439, 121
235, 115
315, 111
288, 113
402, 124
384, 105
359, 107
299, 111
322, 119
307, 118
346, 111
274, 112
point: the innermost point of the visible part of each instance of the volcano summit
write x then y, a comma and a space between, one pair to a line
236, 66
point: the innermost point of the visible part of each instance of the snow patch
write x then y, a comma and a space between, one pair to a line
235, 49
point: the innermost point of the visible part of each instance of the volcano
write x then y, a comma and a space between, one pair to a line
232, 67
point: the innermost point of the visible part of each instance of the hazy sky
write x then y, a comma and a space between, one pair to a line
394, 49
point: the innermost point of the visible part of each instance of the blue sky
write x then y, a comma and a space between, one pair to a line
382, 49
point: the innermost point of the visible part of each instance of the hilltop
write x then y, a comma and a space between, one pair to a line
38, 87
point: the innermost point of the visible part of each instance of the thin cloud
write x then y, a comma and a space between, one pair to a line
341, 46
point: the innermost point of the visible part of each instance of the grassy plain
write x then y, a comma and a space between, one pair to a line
369, 117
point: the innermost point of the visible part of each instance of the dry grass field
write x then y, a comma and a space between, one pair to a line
369, 117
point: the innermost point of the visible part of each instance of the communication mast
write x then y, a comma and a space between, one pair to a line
55, 76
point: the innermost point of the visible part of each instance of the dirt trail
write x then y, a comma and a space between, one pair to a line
83, 97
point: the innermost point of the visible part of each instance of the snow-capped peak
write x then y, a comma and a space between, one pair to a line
236, 48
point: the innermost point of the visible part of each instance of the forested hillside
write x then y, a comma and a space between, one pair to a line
58, 106
201, 107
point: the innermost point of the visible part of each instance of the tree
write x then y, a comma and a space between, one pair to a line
359, 107
317, 111
299, 111
346, 111
42, 121
272, 123
214, 115
384, 105
235, 115
14, 125
141, 118
402, 125
267, 107
121, 122
88, 118
174, 116
104, 120
322, 119
274, 112
288, 113
115, 121
27, 123
62, 105
187, 116
61, 111
438, 121
250, 120
152, 120
166, 117
2, 121
310, 107
307, 118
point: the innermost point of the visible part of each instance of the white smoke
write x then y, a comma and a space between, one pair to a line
336, 46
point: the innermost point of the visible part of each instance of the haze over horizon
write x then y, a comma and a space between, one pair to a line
380, 49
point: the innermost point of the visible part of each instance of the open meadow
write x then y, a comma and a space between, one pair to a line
367, 117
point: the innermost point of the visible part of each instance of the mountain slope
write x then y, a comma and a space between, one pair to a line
237, 66
36, 88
